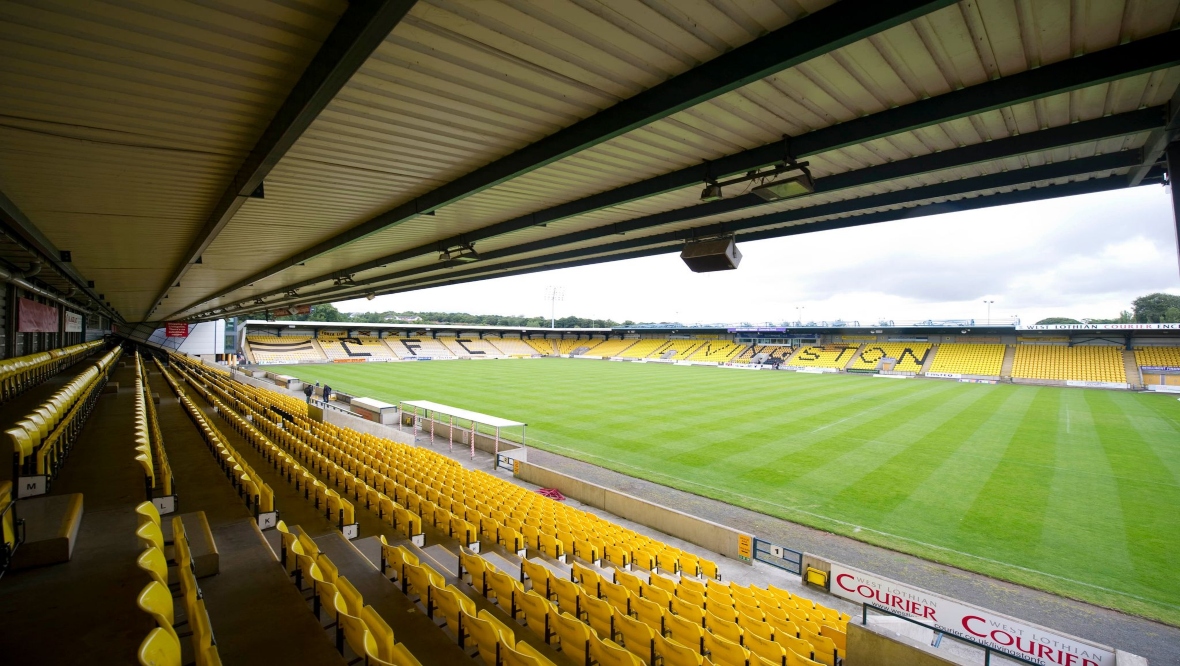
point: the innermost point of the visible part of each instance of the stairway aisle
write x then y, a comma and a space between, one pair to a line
257, 614
91, 597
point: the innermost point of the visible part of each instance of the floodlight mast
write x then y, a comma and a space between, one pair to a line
553, 295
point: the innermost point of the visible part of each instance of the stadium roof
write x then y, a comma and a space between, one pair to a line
202, 159
466, 414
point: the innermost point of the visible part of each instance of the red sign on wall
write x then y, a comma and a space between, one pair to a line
176, 329
33, 317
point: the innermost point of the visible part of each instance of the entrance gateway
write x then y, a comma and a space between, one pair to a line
421, 415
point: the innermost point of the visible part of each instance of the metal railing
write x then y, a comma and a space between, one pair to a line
778, 556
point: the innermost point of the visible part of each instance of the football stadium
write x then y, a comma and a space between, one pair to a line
205, 470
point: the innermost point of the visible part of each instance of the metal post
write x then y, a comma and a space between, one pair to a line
497, 442
472, 436
432, 420
451, 433
1172, 152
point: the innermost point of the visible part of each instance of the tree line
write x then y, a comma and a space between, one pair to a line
329, 313
1154, 308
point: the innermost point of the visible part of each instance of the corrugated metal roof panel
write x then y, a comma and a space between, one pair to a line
569, 59
124, 120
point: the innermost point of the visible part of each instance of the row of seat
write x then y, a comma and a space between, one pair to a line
20, 373
388, 477
909, 356
11, 527
1098, 363
257, 494
429, 507
969, 359
357, 625
728, 623
41, 440
1168, 357
161, 647
823, 356
149, 441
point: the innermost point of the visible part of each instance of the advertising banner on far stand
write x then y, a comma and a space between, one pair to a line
998, 632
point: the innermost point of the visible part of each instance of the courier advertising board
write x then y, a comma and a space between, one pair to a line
998, 632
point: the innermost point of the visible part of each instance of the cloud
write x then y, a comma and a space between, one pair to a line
1079, 256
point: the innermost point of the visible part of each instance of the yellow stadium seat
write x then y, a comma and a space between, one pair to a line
159, 648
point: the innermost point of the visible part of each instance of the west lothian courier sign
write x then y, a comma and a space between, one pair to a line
998, 632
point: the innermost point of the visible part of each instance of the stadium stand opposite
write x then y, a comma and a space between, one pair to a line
717, 351
827, 356
543, 346
418, 348
284, 349
907, 356
1088, 363
675, 350
510, 346
470, 347
360, 348
610, 348
641, 349
567, 346
764, 353
1159, 357
969, 359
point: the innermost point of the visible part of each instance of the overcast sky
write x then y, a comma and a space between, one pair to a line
1084, 256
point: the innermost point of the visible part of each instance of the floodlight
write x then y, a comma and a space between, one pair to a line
786, 188
712, 192
460, 254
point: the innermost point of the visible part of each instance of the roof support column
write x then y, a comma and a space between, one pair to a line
1172, 152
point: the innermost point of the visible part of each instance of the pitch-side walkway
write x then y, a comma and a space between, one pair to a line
1159, 643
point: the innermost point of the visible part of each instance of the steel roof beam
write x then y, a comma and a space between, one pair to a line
359, 31
1057, 137
1160, 139
31, 236
1083, 71
975, 203
671, 241
814, 35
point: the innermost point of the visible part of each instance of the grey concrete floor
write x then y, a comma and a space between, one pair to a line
84, 611
256, 613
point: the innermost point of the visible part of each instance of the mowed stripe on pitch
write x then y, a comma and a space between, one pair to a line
934, 511
1150, 510
1004, 522
1084, 524
878, 493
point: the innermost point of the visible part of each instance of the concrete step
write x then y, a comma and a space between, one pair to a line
929, 359
1134, 378
51, 529
1009, 359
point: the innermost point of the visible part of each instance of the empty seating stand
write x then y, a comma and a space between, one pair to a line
23, 372
409, 486
149, 445
42, 439
161, 647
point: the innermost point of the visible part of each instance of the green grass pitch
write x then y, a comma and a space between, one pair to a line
1071, 490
